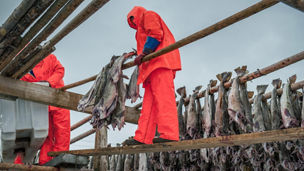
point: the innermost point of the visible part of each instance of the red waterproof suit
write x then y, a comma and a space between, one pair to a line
157, 75
58, 139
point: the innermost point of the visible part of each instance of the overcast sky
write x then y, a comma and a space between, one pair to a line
258, 41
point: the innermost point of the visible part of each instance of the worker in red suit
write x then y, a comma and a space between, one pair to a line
50, 70
157, 75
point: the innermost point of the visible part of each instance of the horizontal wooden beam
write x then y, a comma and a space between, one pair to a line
223, 141
51, 96
11, 166
294, 86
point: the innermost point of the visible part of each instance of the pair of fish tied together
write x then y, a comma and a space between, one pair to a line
108, 94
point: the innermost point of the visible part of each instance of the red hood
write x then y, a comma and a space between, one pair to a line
137, 12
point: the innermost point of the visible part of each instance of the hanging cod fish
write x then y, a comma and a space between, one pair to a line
107, 95
235, 107
192, 129
287, 111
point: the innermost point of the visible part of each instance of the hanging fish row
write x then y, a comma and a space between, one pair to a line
108, 94
232, 114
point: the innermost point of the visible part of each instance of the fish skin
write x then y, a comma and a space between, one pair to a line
244, 97
133, 88
258, 120
192, 129
235, 107
287, 111
221, 117
119, 166
182, 130
143, 162
199, 117
274, 105
207, 113
128, 163
266, 115
120, 110
112, 163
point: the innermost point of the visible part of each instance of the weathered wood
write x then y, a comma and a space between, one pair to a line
13, 19
48, 30
11, 166
223, 141
101, 140
51, 96
81, 122
47, 16
260, 72
294, 86
89, 10
83, 135
196, 36
297, 4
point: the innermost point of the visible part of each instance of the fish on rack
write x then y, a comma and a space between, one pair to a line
192, 129
108, 95
181, 123
287, 111
235, 108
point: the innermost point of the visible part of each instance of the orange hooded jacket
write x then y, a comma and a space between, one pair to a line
149, 23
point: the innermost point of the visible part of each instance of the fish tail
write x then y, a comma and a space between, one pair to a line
292, 79
277, 83
261, 89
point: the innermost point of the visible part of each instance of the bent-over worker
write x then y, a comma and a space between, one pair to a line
157, 75
50, 70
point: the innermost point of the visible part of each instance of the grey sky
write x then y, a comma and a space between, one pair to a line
258, 41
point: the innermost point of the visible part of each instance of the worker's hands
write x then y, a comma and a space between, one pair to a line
138, 59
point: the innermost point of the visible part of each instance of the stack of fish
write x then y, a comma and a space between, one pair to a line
108, 94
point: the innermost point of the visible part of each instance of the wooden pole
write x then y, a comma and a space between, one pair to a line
13, 19
194, 37
297, 4
81, 122
47, 16
222, 141
83, 135
11, 166
101, 140
49, 29
89, 10
294, 87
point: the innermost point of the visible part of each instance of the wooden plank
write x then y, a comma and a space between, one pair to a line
89, 10
194, 37
47, 16
223, 141
51, 96
11, 166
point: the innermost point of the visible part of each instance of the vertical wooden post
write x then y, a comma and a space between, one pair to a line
101, 140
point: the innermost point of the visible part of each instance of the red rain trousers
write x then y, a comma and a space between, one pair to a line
58, 139
159, 108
